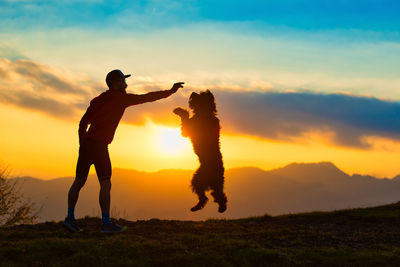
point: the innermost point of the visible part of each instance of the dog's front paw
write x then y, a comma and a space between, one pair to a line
181, 112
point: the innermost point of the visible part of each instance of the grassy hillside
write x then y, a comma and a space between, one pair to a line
355, 237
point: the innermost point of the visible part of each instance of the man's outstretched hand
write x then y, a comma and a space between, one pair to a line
181, 112
176, 86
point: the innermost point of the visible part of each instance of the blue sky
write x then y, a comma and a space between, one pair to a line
312, 15
320, 46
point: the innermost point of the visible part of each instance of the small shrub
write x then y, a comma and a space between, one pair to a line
14, 208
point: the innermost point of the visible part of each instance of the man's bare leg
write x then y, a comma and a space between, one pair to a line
73, 193
104, 199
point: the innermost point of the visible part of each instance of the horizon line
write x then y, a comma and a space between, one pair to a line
228, 169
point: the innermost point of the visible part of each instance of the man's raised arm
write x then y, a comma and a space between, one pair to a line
133, 99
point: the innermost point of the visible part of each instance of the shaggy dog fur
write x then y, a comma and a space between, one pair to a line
203, 130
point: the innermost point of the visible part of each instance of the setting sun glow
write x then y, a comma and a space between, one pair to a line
170, 142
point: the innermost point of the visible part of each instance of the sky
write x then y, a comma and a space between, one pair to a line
294, 81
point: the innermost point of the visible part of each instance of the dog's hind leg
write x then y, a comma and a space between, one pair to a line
199, 188
202, 202
219, 197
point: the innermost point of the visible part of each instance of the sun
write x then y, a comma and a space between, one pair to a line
170, 142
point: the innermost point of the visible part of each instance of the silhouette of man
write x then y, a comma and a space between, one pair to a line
103, 116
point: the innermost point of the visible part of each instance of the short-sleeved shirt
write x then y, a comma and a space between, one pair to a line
106, 110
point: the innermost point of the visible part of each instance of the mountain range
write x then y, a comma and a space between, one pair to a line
297, 187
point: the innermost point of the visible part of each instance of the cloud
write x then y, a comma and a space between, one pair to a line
31, 85
47, 105
7, 51
39, 74
287, 116
346, 119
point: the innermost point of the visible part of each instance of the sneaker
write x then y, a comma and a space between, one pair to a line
201, 204
112, 228
71, 225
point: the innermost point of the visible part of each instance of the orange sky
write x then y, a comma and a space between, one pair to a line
39, 145
284, 94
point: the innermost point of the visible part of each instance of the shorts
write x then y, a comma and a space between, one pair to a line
93, 152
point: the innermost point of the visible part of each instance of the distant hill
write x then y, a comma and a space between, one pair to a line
353, 237
165, 194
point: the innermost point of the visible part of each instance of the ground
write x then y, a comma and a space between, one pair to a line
354, 237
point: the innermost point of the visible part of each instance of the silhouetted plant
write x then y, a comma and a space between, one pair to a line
14, 207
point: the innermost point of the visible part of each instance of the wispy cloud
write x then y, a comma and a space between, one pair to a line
44, 104
348, 119
289, 115
44, 78
30, 85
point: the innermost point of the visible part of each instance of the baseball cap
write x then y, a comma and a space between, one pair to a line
115, 75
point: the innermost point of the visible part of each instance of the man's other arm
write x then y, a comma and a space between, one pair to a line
85, 121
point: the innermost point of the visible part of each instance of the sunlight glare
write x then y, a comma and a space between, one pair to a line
170, 141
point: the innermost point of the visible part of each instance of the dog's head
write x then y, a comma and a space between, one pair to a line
203, 102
